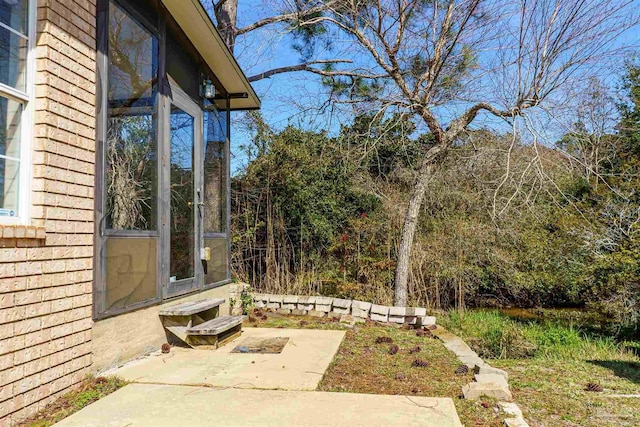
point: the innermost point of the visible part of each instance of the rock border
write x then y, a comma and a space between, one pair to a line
488, 380
351, 311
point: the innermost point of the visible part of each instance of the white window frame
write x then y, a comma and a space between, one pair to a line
26, 98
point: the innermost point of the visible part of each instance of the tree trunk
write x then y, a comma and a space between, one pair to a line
226, 12
411, 222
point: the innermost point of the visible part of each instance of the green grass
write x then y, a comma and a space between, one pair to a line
90, 390
550, 361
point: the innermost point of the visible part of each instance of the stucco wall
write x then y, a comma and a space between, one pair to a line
127, 336
46, 268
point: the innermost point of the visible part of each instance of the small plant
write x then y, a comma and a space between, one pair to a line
246, 300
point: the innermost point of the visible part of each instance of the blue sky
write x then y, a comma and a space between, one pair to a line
293, 98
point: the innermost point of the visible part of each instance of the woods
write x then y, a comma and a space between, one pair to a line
319, 214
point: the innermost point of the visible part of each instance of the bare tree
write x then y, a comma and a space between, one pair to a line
448, 62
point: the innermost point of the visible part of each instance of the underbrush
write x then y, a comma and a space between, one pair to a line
496, 336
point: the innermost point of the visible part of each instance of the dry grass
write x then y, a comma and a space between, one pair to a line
362, 366
549, 383
90, 390
552, 392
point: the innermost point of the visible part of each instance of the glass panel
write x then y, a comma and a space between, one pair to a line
131, 149
218, 266
14, 14
13, 59
131, 271
215, 171
10, 117
182, 193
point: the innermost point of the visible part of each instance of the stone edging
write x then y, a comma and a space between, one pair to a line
489, 381
345, 309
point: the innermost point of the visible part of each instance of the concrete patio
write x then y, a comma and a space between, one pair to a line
300, 366
189, 387
164, 405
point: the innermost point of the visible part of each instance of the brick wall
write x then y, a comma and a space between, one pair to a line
46, 269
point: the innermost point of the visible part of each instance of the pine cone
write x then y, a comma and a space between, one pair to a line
427, 333
594, 387
415, 349
382, 340
401, 377
303, 323
264, 317
166, 347
419, 363
394, 349
462, 369
251, 319
419, 333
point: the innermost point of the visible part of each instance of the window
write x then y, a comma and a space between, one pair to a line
216, 191
215, 170
131, 149
16, 30
130, 162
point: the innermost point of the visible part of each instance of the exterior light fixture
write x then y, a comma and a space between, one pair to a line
208, 89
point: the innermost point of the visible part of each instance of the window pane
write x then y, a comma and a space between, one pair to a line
10, 116
131, 149
14, 13
215, 172
181, 263
9, 180
13, 59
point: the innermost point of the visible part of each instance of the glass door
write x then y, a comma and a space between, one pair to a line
182, 195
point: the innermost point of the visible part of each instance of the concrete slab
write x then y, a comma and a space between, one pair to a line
161, 405
300, 366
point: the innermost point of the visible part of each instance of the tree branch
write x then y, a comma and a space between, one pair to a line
307, 66
285, 17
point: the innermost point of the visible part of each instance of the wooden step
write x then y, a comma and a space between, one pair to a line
215, 326
191, 307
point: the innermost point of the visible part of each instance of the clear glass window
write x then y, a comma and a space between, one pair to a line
10, 126
215, 170
15, 14
131, 151
14, 48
